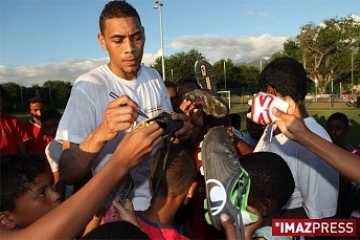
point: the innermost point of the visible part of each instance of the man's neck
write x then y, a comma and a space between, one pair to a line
162, 210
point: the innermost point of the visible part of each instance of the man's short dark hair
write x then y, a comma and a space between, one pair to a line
183, 86
50, 114
270, 176
340, 117
180, 171
116, 230
17, 172
117, 9
287, 76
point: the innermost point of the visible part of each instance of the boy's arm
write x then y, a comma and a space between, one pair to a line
347, 164
68, 219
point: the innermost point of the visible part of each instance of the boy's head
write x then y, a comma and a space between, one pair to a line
284, 77
50, 119
179, 176
116, 230
272, 182
172, 92
255, 130
337, 127
36, 106
26, 190
185, 85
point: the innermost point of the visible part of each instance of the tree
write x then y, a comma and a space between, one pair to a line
58, 92
325, 49
179, 65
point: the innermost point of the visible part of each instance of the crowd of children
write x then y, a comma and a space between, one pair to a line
58, 170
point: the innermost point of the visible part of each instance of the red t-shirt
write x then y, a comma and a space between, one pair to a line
13, 132
40, 138
159, 231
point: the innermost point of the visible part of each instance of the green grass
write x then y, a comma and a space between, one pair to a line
321, 115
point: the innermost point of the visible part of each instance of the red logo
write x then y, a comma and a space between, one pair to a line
314, 227
265, 101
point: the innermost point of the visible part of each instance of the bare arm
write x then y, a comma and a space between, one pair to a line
344, 162
68, 219
76, 160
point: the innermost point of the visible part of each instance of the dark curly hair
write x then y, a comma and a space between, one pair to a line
287, 76
117, 9
180, 168
270, 176
17, 172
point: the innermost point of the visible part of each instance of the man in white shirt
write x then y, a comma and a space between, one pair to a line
316, 182
93, 123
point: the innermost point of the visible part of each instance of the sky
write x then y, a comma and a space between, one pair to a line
57, 39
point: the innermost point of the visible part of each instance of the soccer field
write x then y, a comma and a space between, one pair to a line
321, 115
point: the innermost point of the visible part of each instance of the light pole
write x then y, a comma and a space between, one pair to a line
261, 65
225, 72
158, 6
352, 73
316, 89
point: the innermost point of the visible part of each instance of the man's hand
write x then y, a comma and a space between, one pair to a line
126, 211
230, 228
195, 114
186, 131
119, 115
136, 145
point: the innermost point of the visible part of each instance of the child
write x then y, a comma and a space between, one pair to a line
337, 127
26, 190
36, 106
13, 135
173, 187
271, 186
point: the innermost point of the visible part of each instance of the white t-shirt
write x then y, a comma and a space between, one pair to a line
246, 137
86, 106
316, 182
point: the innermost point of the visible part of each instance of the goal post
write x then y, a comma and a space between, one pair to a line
226, 95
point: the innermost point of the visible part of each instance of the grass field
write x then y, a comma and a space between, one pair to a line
321, 116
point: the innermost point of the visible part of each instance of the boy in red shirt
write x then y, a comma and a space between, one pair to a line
13, 136
36, 106
173, 186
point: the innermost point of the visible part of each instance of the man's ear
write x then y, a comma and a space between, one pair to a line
270, 90
267, 207
6, 221
102, 41
191, 192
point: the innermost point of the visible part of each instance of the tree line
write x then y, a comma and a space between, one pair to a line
55, 92
330, 53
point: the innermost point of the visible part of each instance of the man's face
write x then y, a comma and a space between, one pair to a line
337, 131
39, 199
50, 126
36, 109
124, 40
